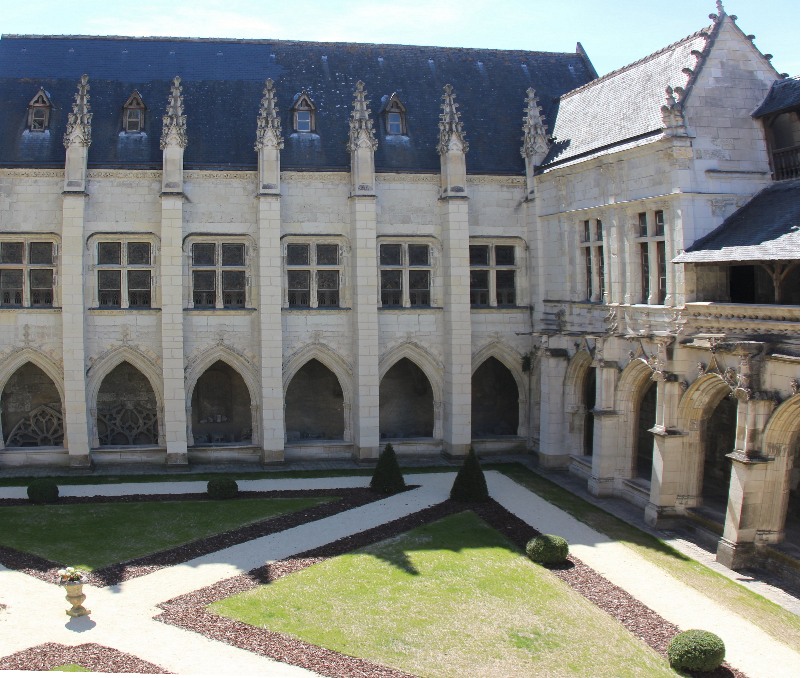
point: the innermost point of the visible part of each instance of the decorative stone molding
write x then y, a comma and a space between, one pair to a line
79, 121
673, 113
268, 129
408, 178
30, 173
451, 132
174, 121
125, 174
361, 134
321, 177
536, 142
215, 175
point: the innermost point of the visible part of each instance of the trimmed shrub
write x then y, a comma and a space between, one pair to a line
43, 491
696, 650
470, 484
387, 477
222, 488
547, 549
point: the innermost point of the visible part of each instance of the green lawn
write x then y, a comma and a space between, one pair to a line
91, 536
770, 617
452, 598
71, 668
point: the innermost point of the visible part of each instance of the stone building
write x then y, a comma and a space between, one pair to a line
613, 287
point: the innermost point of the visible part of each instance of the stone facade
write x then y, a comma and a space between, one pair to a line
320, 314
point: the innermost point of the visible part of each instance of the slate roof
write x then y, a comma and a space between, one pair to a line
223, 82
623, 105
783, 96
766, 228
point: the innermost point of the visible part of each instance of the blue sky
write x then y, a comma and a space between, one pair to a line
613, 32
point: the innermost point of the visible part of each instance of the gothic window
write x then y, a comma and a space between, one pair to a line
405, 274
650, 244
219, 273
27, 273
313, 274
395, 116
303, 114
124, 272
133, 114
493, 273
592, 247
39, 112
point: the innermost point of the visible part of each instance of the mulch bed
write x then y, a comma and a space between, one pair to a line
46, 570
97, 658
189, 611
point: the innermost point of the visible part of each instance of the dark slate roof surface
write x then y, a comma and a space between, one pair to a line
783, 95
223, 82
622, 105
766, 228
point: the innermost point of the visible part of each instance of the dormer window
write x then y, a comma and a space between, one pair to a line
303, 114
39, 112
395, 116
133, 114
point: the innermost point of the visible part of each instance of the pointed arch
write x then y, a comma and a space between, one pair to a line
39, 109
428, 365
512, 361
109, 361
332, 361
635, 380
695, 408
780, 442
47, 365
578, 370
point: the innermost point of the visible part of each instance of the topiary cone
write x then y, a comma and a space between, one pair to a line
470, 484
387, 477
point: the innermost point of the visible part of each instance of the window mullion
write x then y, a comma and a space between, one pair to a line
406, 301
653, 273
26, 282
218, 292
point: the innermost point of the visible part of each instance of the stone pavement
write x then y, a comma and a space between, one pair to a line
122, 615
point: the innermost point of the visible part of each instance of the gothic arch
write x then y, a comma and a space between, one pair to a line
631, 388
512, 361
575, 410
104, 365
696, 405
241, 366
778, 441
334, 362
430, 367
29, 355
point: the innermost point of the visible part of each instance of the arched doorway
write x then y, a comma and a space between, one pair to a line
406, 402
314, 405
221, 412
646, 418
126, 409
791, 521
31, 409
718, 438
588, 401
495, 408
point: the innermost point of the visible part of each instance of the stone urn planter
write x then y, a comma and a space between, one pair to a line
75, 597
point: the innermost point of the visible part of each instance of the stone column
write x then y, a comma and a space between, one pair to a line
173, 143
269, 143
457, 340
363, 217
553, 367
77, 140
606, 451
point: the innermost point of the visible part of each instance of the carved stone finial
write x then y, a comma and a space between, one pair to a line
673, 114
451, 134
719, 5
361, 133
174, 122
79, 122
535, 132
268, 131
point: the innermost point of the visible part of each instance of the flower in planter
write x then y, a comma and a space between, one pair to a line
71, 575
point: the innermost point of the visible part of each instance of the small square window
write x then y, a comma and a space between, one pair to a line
139, 253
40, 253
298, 287
41, 287
327, 255
139, 289
303, 121
11, 288
586, 224
297, 255
599, 230
233, 255
659, 222
420, 288
109, 253
109, 288
203, 254
505, 288
479, 255
204, 289
11, 252
390, 255
418, 255
233, 287
133, 120
642, 221
39, 120
394, 123
391, 294
479, 288
504, 255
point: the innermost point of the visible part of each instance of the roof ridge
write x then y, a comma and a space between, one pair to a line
270, 41
702, 32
